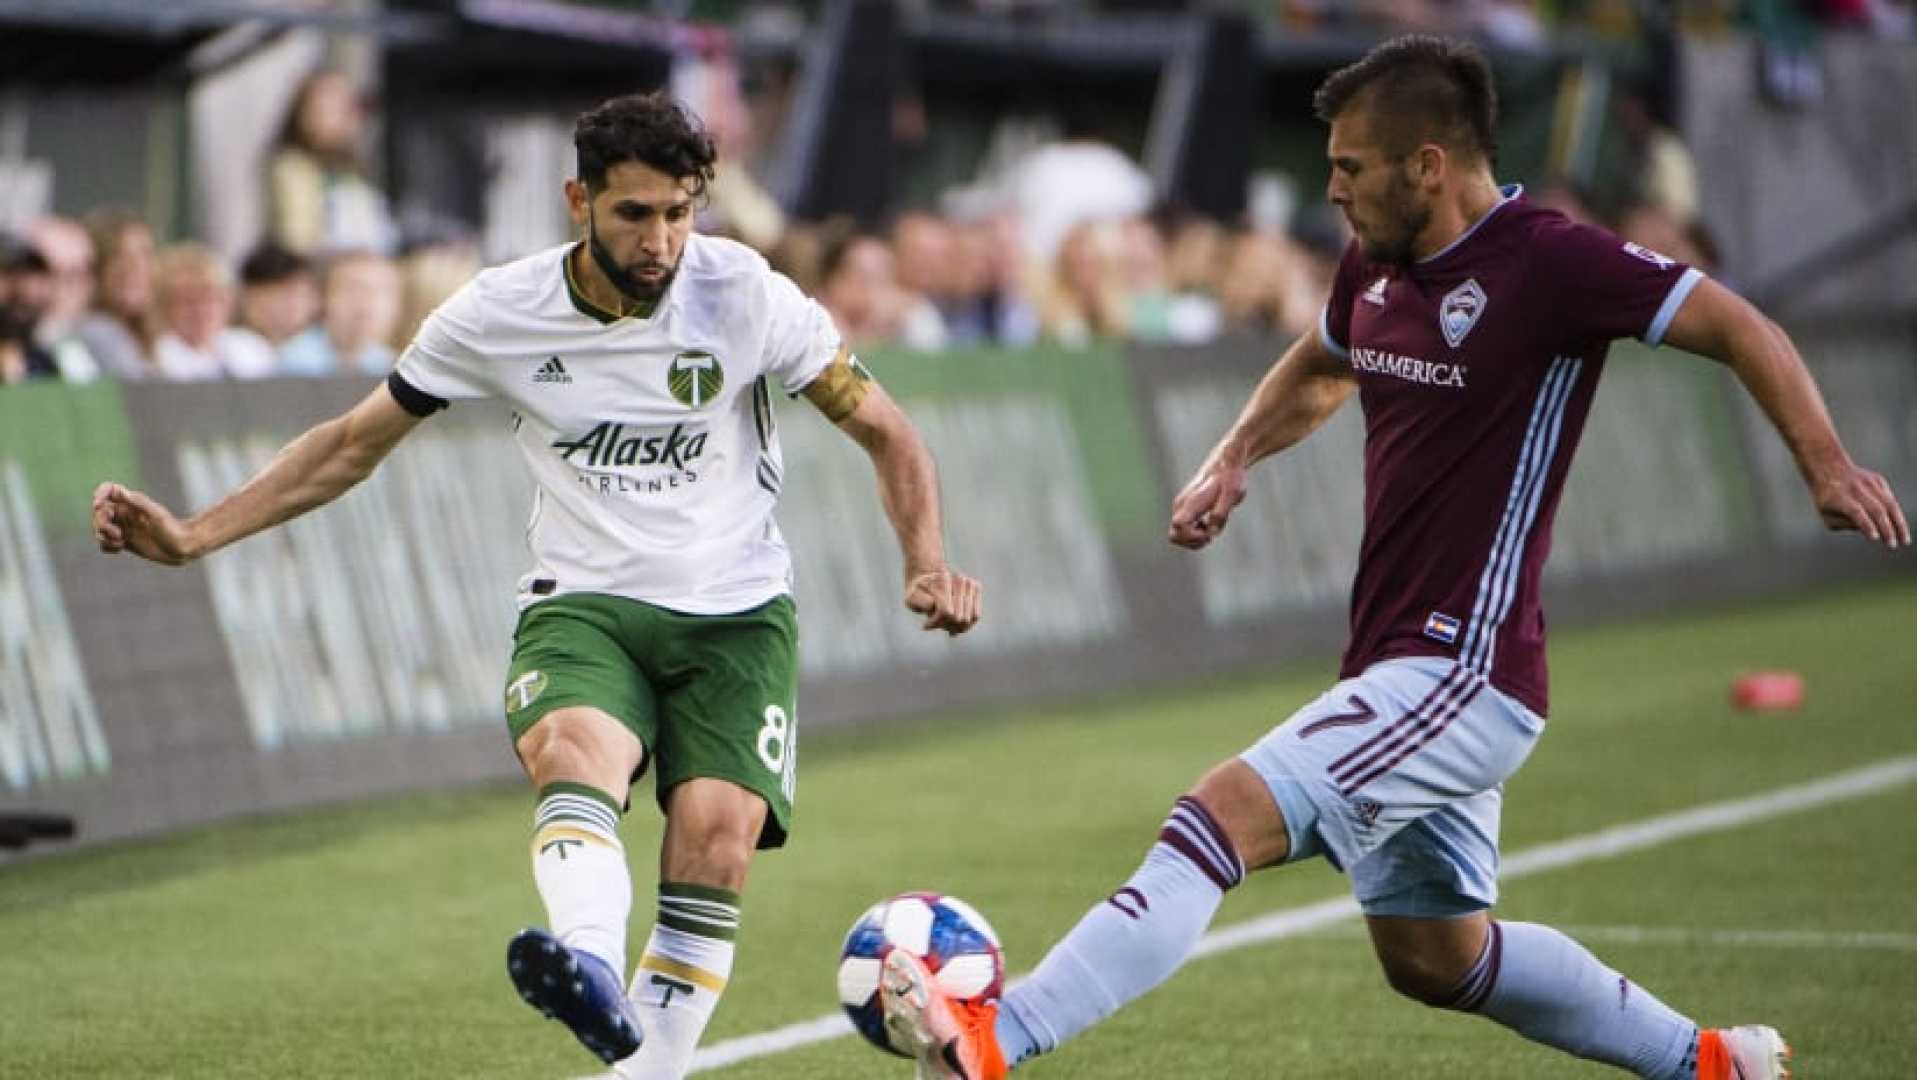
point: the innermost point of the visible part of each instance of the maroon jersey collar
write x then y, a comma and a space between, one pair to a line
1511, 193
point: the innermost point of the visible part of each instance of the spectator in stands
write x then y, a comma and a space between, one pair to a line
799, 253
1667, 173
923, 254
193, 303
26, 287
1146, 273
1084, 300
118, 333
858, 289
319, 195
1197, 252
279, 294
1563, 194
1266, 289
429, 276
736, 203
1510, 24
1065, 183
359, 312
69, 252
1013, 312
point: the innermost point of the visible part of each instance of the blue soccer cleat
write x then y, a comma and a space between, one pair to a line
577, 989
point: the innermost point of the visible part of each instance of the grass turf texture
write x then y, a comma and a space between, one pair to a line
367, 941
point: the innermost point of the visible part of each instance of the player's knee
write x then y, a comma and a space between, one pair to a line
712, 830
716, 854
561, 748
1237, 798
554, 748
1421, 979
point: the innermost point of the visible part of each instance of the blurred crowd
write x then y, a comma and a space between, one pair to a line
1533, 23
1065, 245
328, 290
931, 282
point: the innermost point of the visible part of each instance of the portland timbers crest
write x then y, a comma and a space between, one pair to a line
1459, 311
695, 377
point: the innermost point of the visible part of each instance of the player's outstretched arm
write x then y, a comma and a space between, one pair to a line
312, 470
1300, 392
1715, 322
909, 488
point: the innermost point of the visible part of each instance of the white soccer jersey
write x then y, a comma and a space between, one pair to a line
651, 441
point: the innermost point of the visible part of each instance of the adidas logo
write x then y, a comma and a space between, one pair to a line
1376, 294
552, 371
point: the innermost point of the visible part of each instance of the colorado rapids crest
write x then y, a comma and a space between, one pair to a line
1459, 311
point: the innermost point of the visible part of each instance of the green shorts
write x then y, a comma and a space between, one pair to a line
708, 695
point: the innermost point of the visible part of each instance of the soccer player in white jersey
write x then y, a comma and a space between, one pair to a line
656, 625
1472, 325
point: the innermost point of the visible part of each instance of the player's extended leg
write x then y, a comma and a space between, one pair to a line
712, 829
1125, 946
578, 758
1548, 988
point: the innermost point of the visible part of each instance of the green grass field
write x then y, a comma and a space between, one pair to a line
367, 941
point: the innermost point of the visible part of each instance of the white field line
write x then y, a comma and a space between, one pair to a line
1604, 844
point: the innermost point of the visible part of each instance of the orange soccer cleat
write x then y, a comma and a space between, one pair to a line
952, 1039
1750, 1052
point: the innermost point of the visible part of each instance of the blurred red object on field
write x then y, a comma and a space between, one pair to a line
1764, 690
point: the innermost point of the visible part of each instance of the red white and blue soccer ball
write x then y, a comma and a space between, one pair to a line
948, 936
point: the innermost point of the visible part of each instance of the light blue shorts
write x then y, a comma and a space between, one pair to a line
1397, 776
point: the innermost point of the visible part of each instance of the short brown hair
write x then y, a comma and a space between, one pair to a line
651, 129
1419, 89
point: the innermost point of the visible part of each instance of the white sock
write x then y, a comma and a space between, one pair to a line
680, 978
1548, 988
1129, 943
580, 868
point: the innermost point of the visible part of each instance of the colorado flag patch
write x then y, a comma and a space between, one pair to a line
1442, 627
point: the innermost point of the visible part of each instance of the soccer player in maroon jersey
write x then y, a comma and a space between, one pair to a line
1472, 325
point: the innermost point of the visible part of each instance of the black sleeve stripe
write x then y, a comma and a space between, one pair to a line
412, 398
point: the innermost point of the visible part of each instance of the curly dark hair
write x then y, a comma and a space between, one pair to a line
1418, 89
652, 129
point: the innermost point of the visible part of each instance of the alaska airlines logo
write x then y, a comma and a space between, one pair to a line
1459, 311
609, 445
694, 377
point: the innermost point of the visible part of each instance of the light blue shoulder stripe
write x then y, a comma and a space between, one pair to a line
1324, 335
1674, 300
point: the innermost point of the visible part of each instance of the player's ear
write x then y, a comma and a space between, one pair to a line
578, 201
1428, 165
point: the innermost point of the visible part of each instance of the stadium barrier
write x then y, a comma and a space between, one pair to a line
361, 649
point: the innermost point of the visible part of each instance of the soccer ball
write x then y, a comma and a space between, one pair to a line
952, 940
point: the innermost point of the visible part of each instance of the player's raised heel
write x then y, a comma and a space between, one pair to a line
1748, 1052
577, 989
952, 1041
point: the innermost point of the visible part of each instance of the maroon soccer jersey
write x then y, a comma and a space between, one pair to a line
1476, 367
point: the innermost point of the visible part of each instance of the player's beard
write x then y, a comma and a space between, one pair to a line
1403, 218
624, 278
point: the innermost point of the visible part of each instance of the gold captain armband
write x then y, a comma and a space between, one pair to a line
838, 389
